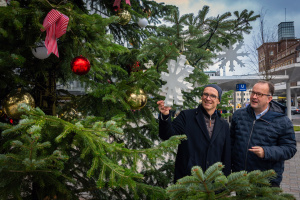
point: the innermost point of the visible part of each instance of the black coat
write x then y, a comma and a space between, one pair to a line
273, 132
199, 149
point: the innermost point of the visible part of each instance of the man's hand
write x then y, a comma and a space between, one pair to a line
162, 108
259, 151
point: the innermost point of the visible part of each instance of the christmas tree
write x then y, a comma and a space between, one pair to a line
101, 143
213, 184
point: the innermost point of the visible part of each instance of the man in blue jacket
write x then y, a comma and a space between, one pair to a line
208, 136
262, 136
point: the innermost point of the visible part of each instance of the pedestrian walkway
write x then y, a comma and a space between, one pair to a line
291, 175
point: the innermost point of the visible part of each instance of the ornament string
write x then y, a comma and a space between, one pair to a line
55, 25
117, 4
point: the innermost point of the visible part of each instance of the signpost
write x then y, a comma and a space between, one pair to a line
241, 87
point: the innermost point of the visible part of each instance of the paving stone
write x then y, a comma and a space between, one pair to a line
291, 175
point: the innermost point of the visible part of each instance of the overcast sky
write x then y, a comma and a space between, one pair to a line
276, 11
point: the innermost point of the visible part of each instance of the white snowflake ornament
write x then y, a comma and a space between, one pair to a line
178, 71
231, 54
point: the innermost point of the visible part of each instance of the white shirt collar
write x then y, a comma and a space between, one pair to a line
262, 113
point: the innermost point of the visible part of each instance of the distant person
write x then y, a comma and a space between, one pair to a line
262, 136
208, 136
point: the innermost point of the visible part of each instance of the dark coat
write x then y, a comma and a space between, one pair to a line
273, 132
199, 149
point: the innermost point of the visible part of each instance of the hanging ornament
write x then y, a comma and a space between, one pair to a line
114, 79
135, 67
55, 25
117, 4
137, 98
143, 22
230, 55
80, 65
124, 17
149, 64
3, 3
40, 51
178, 71
13, 100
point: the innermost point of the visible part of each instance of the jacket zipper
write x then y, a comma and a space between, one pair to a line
248, 145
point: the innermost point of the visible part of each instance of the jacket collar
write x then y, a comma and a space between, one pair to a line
276, 110
200, 112
214, 115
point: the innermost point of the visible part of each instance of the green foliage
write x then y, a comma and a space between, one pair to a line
212, 184
40, 147
196, 37
224, 104
109, 151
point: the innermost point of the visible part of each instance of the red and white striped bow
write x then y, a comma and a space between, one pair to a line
55, 24
117, 4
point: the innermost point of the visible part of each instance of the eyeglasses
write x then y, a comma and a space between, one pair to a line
252, 93
212, 96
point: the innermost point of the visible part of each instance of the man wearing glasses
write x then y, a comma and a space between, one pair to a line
262, 136
208, 136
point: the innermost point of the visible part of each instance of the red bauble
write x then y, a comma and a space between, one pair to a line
136, 67
80, 65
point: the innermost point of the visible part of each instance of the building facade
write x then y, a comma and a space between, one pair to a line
272, 55
212, 73
286, 31
286, 51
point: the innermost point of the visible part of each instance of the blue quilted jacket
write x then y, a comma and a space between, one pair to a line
273, 132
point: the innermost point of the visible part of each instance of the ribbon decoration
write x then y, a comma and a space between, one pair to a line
117, 4
55, 24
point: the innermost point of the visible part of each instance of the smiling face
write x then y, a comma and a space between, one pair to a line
259, 104
208, 103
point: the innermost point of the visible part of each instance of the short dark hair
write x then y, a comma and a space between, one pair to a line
270, 84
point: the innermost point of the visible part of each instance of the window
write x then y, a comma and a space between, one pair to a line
271, 53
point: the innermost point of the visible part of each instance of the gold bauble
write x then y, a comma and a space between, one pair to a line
13, 100
125, 17
137, 98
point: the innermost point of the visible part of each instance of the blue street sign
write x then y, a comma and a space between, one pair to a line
241, 87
